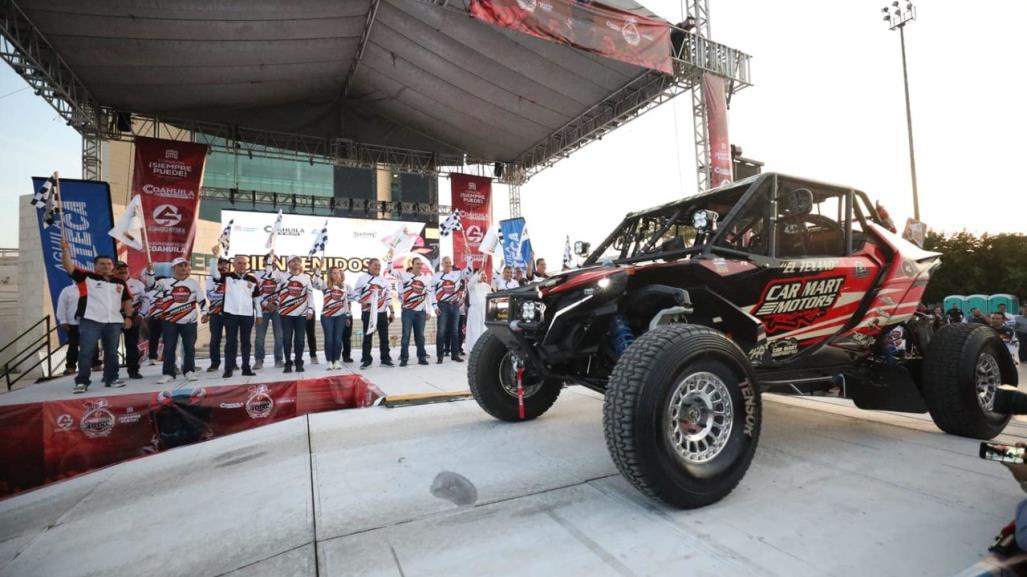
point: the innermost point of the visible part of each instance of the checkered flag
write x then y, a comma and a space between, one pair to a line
320, 240
451, 223
225, 240
45, 199
568, 256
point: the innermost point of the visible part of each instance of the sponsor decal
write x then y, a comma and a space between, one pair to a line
97, 421
749, 396
809, 265
860, 269
180, 294
231, 405
908, 268
757, 353
862, 340
260, 404
65, 422
794, 304
784, 348
527, 6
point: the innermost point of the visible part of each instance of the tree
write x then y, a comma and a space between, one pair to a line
988, 264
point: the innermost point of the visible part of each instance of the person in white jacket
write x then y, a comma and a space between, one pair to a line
477, 289
241, 309
67, 302
374, 293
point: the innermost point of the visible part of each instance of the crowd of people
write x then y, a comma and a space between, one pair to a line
104, 305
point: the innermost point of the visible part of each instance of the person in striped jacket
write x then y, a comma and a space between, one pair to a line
374, 293
336, 319
449, 286
177, 301
295, 306
416, 295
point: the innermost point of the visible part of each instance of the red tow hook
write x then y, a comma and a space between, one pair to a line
520, 392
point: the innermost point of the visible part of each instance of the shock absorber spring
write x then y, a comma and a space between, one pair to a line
620, 335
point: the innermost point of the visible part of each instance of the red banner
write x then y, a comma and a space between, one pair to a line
168, 175
589, 26
472, 196
45, 442
715, 95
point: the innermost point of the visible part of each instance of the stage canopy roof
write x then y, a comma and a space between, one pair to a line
414, 83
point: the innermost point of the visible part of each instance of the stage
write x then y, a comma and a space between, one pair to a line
443, 489
48, 433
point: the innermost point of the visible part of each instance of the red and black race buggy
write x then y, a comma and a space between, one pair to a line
687, 311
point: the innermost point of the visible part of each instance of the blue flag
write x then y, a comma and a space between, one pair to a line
517, 250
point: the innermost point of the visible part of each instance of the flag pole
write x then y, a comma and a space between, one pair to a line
58, 204
146, 238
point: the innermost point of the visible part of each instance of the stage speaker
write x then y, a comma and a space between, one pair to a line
124, 121
498, 169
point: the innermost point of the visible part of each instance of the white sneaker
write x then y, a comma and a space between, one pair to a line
338, 366
152, 362
165, 379
191, 376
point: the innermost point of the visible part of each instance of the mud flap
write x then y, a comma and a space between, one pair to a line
886, 388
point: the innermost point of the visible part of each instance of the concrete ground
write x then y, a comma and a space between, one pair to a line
444, 489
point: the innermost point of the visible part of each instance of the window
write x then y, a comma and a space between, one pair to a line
748, 231
811, 222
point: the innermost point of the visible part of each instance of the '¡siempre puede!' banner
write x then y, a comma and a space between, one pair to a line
715, 94
168, 175
472, 196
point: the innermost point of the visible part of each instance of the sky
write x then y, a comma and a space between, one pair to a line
827, 103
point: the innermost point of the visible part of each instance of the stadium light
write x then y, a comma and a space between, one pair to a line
898, 18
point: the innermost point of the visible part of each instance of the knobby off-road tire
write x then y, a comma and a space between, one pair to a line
494, 384
962, 369
658, 372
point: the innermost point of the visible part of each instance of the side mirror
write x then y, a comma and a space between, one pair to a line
581, 248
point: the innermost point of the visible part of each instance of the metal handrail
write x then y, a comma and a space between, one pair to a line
36, 345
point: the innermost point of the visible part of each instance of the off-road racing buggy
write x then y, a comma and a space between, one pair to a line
687, 311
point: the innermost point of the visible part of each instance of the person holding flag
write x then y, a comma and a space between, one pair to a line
415, 296
216, 308
374, 293
241, 306
104, 309
178, 297
138, 291
295, 306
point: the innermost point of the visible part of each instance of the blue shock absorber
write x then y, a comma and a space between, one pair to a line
621, 336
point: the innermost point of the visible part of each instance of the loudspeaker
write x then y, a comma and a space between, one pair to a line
123, 121
498, 169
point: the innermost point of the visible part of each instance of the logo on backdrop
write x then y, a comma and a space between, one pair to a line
167, 215
98, 421
474, 234
260, 404
630, 32
65, 422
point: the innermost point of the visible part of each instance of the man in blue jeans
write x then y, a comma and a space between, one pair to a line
104, 309
215, 311
415, 294
268, 288
448, 288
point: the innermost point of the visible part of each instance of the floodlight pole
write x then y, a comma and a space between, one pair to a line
898, 18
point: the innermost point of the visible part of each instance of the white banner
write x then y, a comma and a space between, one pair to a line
351, 241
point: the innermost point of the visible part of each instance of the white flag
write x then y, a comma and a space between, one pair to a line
492, 240
399, 242
129, 229
273, 235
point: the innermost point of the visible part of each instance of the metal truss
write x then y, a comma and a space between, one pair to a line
32, 57
322, 205
515, 200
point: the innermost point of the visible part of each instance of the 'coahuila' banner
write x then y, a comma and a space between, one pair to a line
168, 175
472, 196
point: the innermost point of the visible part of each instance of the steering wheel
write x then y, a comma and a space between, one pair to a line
797, 228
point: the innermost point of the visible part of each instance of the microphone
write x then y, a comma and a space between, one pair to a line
1010, 402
